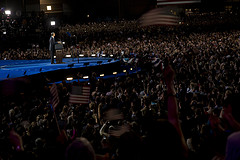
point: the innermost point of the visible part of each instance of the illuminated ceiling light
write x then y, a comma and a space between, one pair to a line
49, 8
69, 78
68, 56
8, 12
53, 23
101, 75
114, 73
85, 77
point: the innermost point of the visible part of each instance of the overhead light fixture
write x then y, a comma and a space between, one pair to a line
53, 23
49, 8
85, 77
69, 78
114, 73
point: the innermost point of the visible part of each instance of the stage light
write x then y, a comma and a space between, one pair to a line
7, 12
53, 23
85, 77
93, 55
124, 71
69, 78
114, 73
63, 42
131, 69
111, 55
103, 55
71, 65
68, 56
81, 55
49, 8
4, 32
86, 63
88, 15
54, 56
101, 75
99, 62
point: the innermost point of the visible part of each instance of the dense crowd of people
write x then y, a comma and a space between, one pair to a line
183, 104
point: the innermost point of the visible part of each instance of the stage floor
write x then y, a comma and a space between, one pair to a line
20, 68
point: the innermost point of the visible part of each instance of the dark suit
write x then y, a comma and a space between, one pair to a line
52, 48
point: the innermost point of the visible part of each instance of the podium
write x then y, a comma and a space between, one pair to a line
59, 52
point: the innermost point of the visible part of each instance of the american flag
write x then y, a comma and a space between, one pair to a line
176, 2
80, 94
158, 16
54, 95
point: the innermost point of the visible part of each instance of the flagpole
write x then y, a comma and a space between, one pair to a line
55, 117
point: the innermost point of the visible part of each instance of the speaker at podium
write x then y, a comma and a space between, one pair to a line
59, 52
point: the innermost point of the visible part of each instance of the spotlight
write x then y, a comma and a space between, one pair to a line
49, 8
69, 78
7, 12
53, 23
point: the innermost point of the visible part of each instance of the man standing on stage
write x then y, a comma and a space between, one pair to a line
52, 47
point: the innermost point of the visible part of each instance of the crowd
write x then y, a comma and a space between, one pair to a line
183, 104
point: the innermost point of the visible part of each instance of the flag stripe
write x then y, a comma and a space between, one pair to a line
80, 95
55, 97
158, 16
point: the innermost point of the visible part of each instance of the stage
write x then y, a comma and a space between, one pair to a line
10, 69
